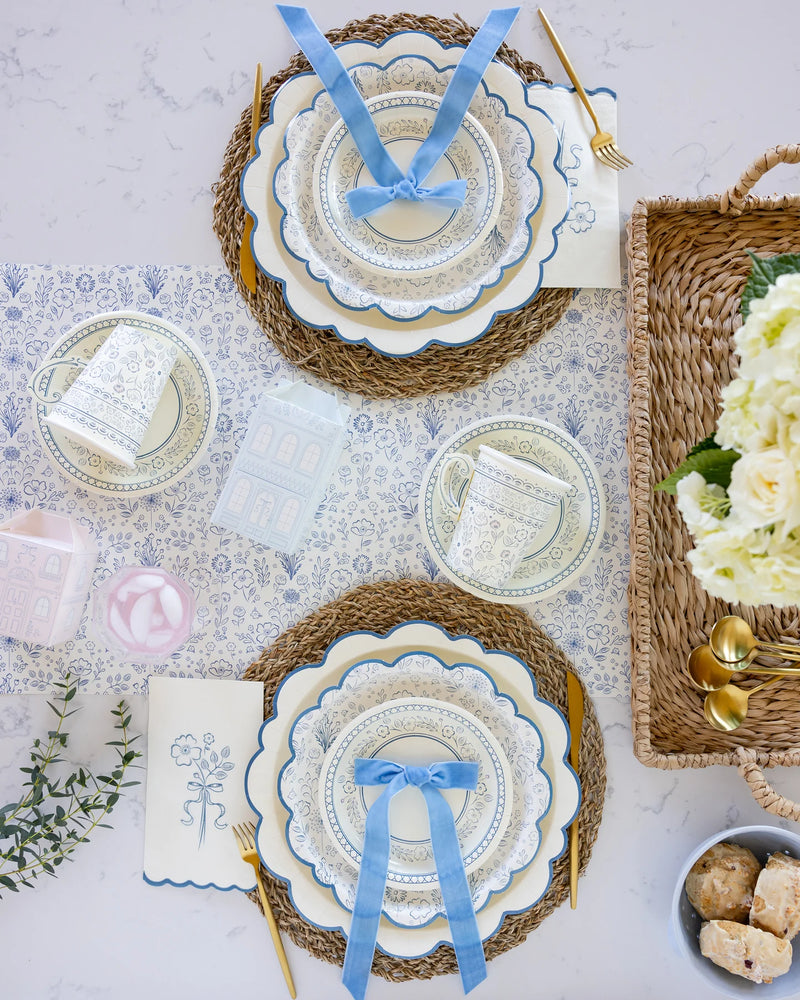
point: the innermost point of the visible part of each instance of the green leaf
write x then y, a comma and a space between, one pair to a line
764, 272
707, 444
713, 464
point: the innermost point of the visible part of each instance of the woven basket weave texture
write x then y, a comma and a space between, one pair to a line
688, 266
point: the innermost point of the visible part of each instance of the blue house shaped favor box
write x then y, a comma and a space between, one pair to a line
292, 445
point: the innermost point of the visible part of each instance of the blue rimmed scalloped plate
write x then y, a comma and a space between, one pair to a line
566, 543
467, 687
513, 283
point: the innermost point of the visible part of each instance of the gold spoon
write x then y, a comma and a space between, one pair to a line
707, 673
726, 708
732, 641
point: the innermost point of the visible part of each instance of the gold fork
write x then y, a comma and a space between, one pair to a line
603, 145
245, 834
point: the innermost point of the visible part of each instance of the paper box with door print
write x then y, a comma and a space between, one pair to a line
46, 566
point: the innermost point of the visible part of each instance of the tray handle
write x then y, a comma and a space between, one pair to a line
763, 792
734, 200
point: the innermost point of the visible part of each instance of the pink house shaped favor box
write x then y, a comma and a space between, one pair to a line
46, 566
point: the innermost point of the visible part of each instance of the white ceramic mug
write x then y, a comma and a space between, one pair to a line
110, 404
506, 505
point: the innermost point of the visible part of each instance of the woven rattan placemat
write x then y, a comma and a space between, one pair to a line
378, 607
355, 367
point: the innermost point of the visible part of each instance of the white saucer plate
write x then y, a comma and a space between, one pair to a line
181, 428
310, 301
304, 687
408, 236
416, 731
567, 542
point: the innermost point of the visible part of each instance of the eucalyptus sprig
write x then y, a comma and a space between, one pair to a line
59, 812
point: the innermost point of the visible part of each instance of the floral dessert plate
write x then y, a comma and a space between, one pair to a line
408, 237
416, 731
179, 432
302, 688
567, 541
403, 295
465, 686
310, 301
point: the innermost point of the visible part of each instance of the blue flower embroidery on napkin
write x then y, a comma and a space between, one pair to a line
211, 769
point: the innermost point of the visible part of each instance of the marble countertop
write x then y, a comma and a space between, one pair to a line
115, 118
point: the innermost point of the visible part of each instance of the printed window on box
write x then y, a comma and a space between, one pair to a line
238, 496
286, 449
310, 459
262, 508
52, 567
261, 439
288, 515
42, 607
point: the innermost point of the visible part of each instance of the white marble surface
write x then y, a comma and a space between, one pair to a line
114, 120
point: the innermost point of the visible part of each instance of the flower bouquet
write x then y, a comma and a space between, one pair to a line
739, 490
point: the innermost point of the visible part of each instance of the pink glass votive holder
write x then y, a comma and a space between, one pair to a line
144, 612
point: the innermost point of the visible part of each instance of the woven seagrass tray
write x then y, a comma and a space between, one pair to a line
355, 367
378, 607
688, 267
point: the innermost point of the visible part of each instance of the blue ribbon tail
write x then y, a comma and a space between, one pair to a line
457, 897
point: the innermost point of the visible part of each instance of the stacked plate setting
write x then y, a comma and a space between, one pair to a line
412, 274
415, 695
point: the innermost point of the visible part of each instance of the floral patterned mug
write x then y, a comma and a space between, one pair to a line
110, 404
504, 508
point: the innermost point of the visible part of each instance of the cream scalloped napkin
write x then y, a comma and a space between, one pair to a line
588, 254
201, 735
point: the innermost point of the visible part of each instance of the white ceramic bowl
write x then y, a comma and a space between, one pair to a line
762, 841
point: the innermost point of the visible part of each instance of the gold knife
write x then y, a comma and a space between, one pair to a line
575, 713
247, 266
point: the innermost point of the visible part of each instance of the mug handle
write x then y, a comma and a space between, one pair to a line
75, 362
444, 479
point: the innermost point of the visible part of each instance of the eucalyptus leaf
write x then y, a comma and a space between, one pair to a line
713, 464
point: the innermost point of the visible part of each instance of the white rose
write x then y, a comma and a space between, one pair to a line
764, 490
702, 505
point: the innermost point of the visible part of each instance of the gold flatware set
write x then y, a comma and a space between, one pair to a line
730, 651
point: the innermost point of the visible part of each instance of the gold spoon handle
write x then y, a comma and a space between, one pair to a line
766, 684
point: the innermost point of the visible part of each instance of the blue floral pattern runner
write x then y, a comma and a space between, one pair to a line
367, 527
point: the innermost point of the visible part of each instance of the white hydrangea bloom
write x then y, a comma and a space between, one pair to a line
771, 319
702, 505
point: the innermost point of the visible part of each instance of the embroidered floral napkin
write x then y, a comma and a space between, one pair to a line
200, 738
589, 238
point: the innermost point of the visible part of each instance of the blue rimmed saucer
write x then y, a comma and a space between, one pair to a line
566, 543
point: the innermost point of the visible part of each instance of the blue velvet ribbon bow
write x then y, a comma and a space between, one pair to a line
447, 855
392, 183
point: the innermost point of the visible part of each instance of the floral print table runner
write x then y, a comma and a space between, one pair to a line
367, 526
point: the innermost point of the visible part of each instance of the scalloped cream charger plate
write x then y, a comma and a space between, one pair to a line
511, 678
516, 275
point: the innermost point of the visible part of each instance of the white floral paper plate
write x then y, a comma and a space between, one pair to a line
311, 301
181, 428
416, 731
370, 684
303, 688
567, 541
408, 237
403, 295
